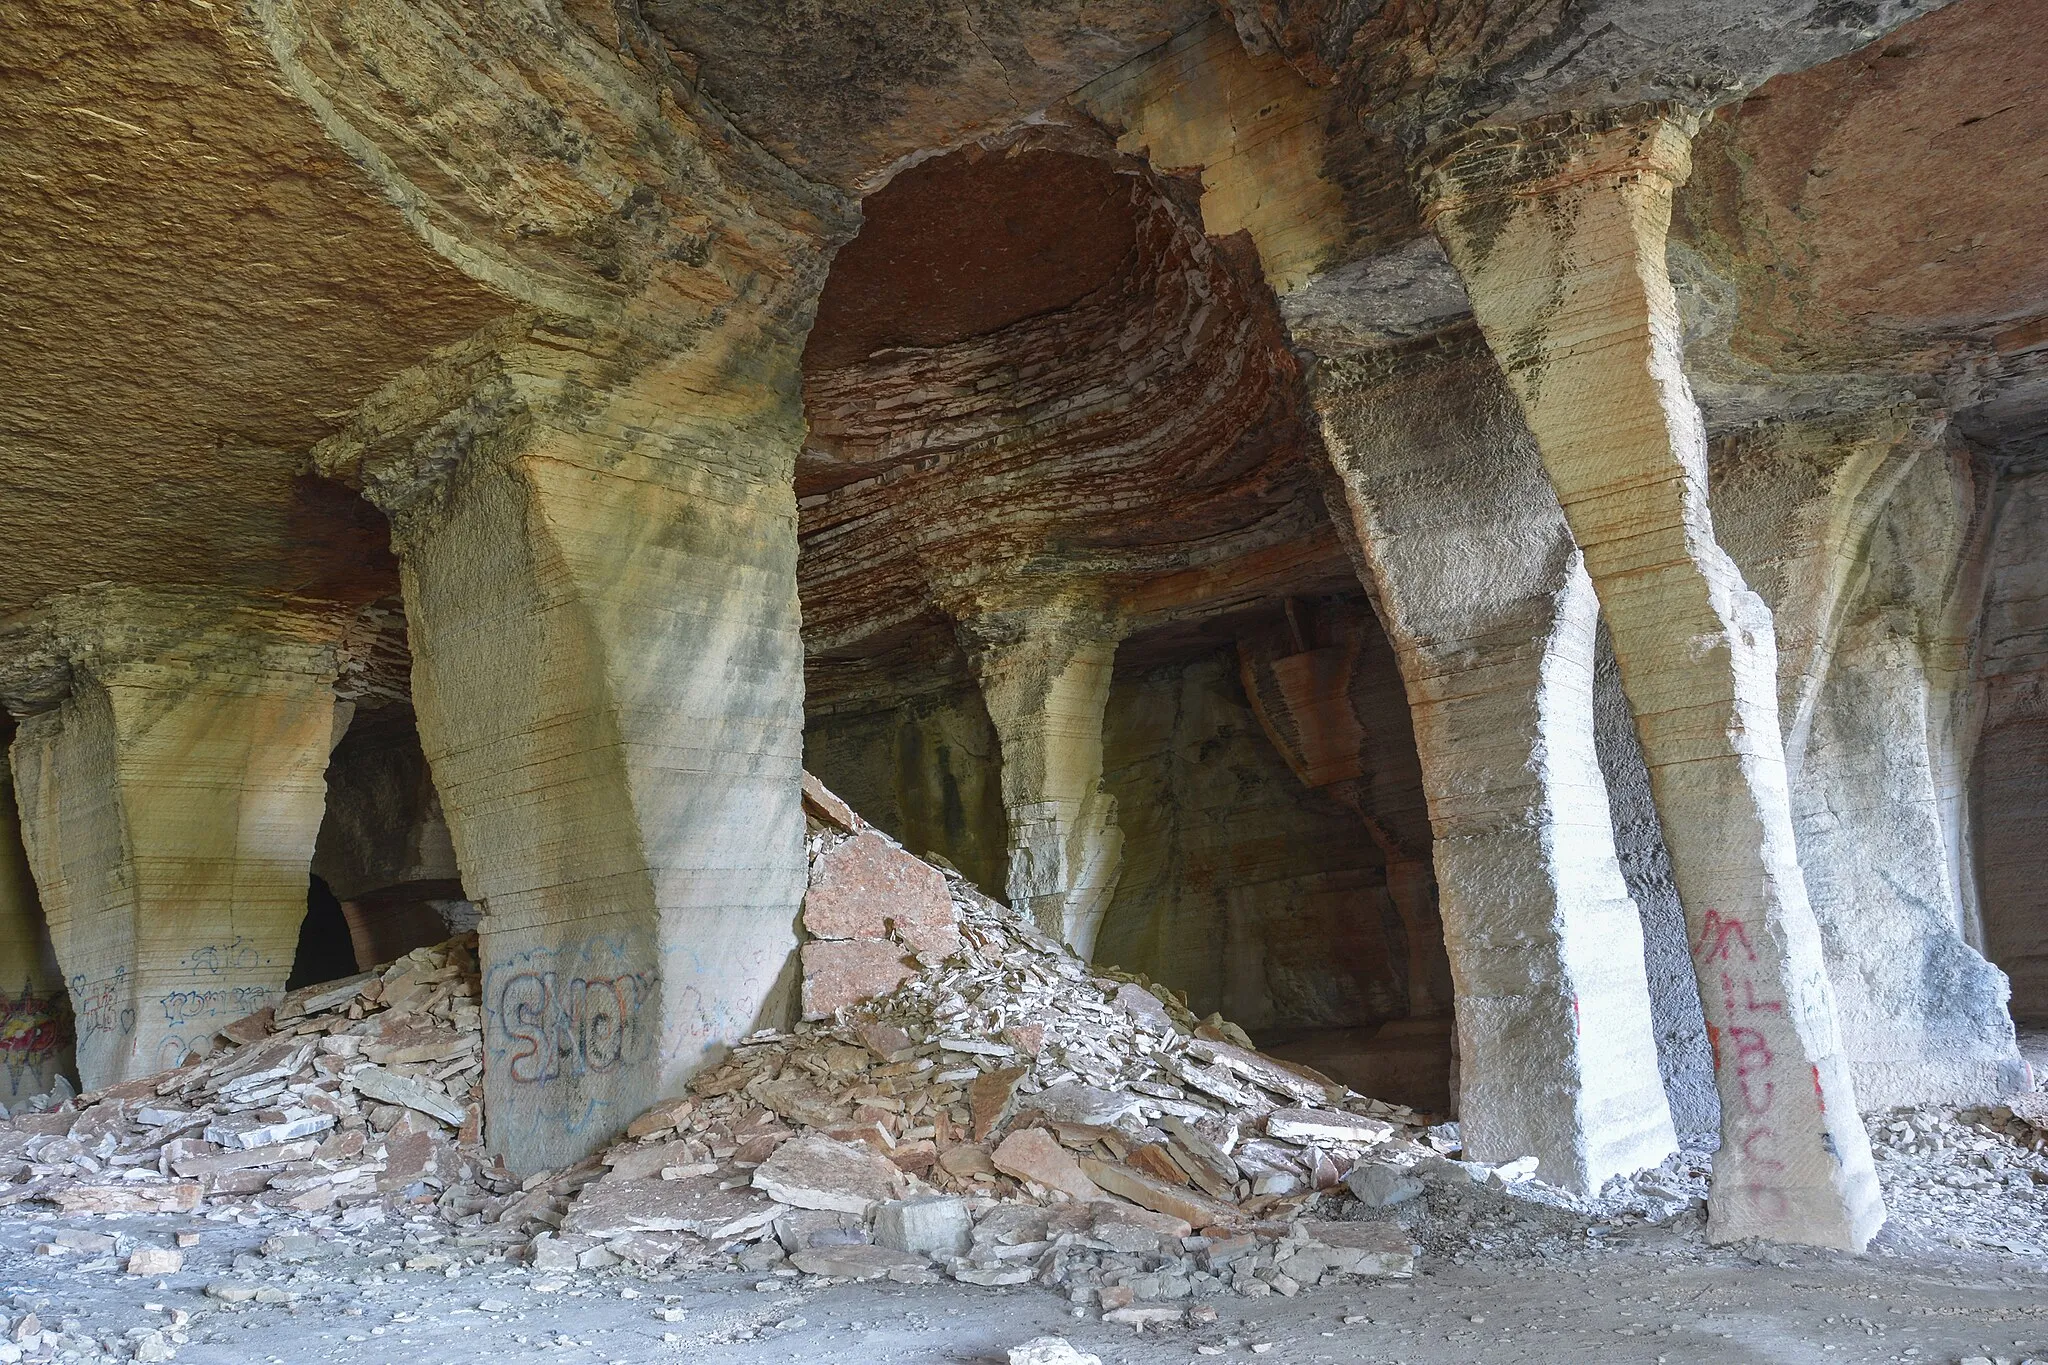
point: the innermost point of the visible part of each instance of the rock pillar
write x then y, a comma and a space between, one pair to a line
598, 552
35, 1021
170, 794
1558, 230
1044, 675
1493, 621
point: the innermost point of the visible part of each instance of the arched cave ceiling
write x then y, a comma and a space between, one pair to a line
199, 286
1881, 216
203, 284
845, 89
1033, 374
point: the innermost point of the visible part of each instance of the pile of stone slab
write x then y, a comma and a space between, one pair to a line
344, 1099
964, 1097
970, 1099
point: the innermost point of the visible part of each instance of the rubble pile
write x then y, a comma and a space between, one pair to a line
1000, 1113
345, 1099
964, 1098
1969, 1179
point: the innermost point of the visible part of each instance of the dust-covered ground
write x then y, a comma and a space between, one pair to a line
1502, 1278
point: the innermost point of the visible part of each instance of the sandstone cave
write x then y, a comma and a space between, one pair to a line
1253, 671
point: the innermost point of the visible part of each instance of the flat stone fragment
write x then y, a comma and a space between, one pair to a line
822, 805
155, 1261
392, 1088
840, 974
612, 1207
1282, 1078
868, 888
1143, 1007
1148, 1192
1361, 1248
989, 1097
1032, 1154
857, 1262
127, 1198
818, 1173
250, 1134
1050, 1351
223, 1162
1326, 1125
1071, 1102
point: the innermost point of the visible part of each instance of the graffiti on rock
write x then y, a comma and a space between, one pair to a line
32, 1029
555, 1024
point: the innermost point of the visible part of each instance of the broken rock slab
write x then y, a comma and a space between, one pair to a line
1325, 1126
1032, 1154
1071, 1102
818, 1172
1051, 1351
939, 1226
1161, 1197
868, 888
864, 1263
612, 1207
841, 973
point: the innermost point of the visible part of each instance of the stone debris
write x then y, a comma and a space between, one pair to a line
348, 1099
1050, 1351
992, 1108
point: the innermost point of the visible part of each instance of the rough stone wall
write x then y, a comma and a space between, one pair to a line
927, 771
1255, 895
1863, 534
2009, 785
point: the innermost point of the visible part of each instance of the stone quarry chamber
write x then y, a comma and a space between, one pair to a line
1164, 650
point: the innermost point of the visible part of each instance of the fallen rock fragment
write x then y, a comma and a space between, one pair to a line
937, 1226
1050, 1351
863, 1263
817, 1172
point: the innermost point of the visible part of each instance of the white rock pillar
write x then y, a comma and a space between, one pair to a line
35, 1024
598, 551
170, 792
1493, 621
1044, 675
1558, 230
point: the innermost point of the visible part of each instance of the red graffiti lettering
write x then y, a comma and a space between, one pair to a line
1715, 933
1779, 1205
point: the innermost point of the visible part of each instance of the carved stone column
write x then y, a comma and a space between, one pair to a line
1044, 674
1492, 618
1558, 230
598, 549
169, 768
